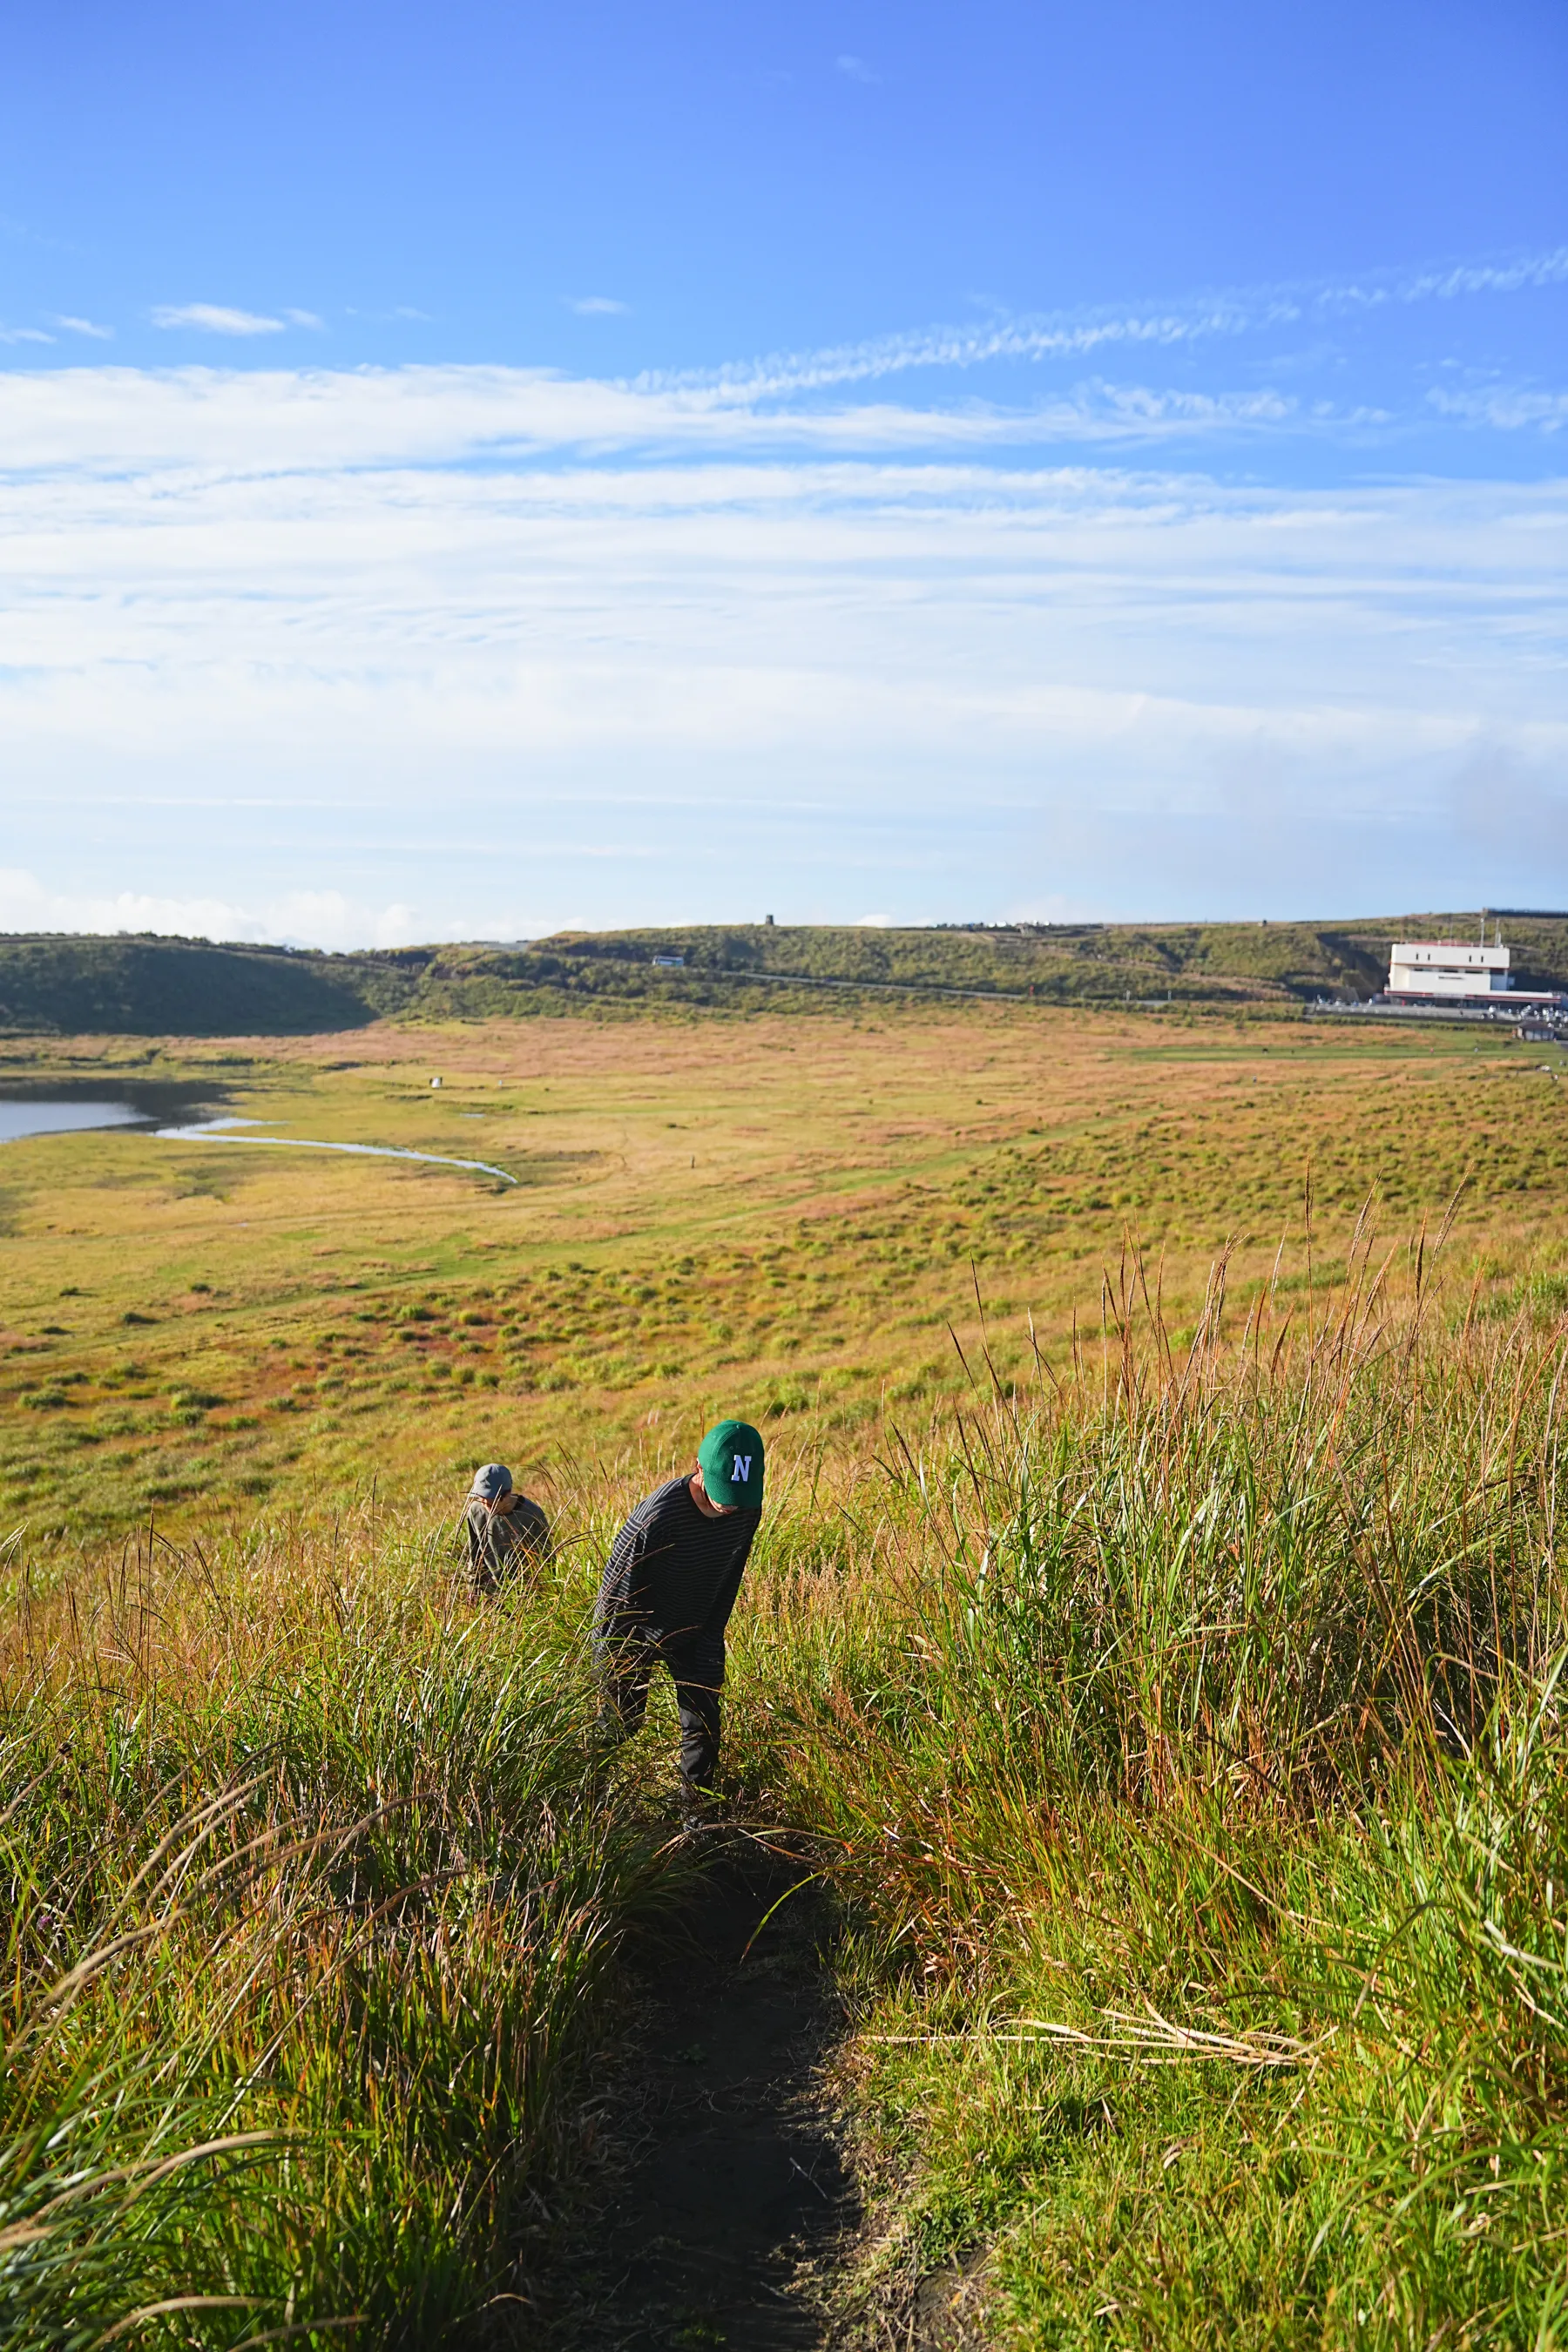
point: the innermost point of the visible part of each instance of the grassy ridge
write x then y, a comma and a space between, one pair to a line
150, 987
155, 987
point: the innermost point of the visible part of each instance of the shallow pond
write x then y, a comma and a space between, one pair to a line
63, 1109
178, 1115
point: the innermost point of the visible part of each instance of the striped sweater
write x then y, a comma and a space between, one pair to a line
674, 1574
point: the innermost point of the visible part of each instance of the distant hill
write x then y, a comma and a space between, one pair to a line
158, 987
155, 987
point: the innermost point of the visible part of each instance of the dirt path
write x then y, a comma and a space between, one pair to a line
717, 2181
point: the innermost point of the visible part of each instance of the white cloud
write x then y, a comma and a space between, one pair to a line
297, 919
856, 70
1134, 405
122, 418
85, 327
265, 420
24, 335
243, 628
216, 318
1445, 283
597, 306
276, 651
1505, 408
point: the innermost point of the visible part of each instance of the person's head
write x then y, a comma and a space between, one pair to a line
730, 1466
492, 1486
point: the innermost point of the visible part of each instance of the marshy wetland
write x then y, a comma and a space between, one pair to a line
1146, 1679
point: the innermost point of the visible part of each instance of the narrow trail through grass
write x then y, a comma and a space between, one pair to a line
717, 2192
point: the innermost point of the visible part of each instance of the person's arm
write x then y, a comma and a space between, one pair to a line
482, 1561
524, 1534
531, 1528
621, 1591
709, 1634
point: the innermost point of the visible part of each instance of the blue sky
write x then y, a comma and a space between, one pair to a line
467, 471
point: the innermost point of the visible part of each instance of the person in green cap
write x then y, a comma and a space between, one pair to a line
674, 1572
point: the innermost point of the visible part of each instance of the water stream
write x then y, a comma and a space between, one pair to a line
223, 1131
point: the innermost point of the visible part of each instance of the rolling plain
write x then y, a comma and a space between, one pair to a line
795, 1213
1152, 1648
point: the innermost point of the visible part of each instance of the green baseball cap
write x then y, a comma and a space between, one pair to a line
730, 1460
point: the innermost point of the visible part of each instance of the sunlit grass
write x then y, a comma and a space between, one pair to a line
286, 1325
1166, 1671
1187, 1740
310, 1884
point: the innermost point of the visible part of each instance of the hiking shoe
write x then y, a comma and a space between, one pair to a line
694, 1804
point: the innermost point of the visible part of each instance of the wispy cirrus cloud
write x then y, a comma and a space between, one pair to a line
1507, 408
597, 306
221, 318
215, 579
856, 70
580, 665
1196, 318
1448, 283
120, 420
88, 327
1120, 619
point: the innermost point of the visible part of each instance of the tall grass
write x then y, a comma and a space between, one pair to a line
1188, 1738
310, 1885
1182, 1735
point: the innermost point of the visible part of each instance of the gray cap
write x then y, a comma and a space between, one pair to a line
491, 1483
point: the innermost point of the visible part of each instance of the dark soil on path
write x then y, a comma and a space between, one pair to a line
716, 2188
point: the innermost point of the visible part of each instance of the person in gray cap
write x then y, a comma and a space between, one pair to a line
504, 1530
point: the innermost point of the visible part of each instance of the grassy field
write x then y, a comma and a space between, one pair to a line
313, 1885
1170, 1689
791, 1213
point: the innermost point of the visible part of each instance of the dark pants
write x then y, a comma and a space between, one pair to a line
626, 1658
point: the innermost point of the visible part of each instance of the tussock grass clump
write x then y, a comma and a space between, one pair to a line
310, 1887
1189, 1741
